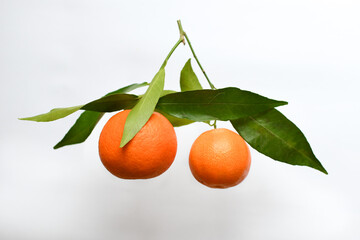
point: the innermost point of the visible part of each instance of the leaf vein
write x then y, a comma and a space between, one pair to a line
281, 139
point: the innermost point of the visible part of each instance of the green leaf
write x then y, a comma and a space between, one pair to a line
188, 79
221, 104
112, 103
58, 113
81, 130
142, 111
188, 82
54, 114
117, 102
87, 121
128, 88
176, 122
272, 134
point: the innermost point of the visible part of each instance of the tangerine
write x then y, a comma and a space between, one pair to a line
219, 158
150, 153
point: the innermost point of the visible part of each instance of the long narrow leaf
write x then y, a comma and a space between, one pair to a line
116, 102
58, 113
112, 103
53, 114
142, 111
87, 121
128, 88
81, 130
272, 134
221, 104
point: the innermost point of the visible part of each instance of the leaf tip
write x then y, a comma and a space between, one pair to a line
26, 119
281, 103
122, 144
57, 146
318, 166
323, 170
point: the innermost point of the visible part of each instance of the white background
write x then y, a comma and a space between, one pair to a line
64, 53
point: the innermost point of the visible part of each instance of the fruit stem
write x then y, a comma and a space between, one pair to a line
198, 62
181, 40
181, 30
182, 35
171, 52
214, 124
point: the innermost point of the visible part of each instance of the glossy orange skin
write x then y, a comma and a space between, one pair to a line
220, 158
150, 153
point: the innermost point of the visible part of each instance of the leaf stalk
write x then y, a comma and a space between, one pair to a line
198, 62
171, 52
182, 38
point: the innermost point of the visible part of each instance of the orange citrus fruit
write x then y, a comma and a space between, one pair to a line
219, 158
150, 153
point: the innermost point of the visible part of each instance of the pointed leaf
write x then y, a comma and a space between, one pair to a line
117, 102
221, 104
142, 111
128, 88
54, 114
113, 102
58, 113
87, 121
272, 134
188, 82
81, 130
188, 79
